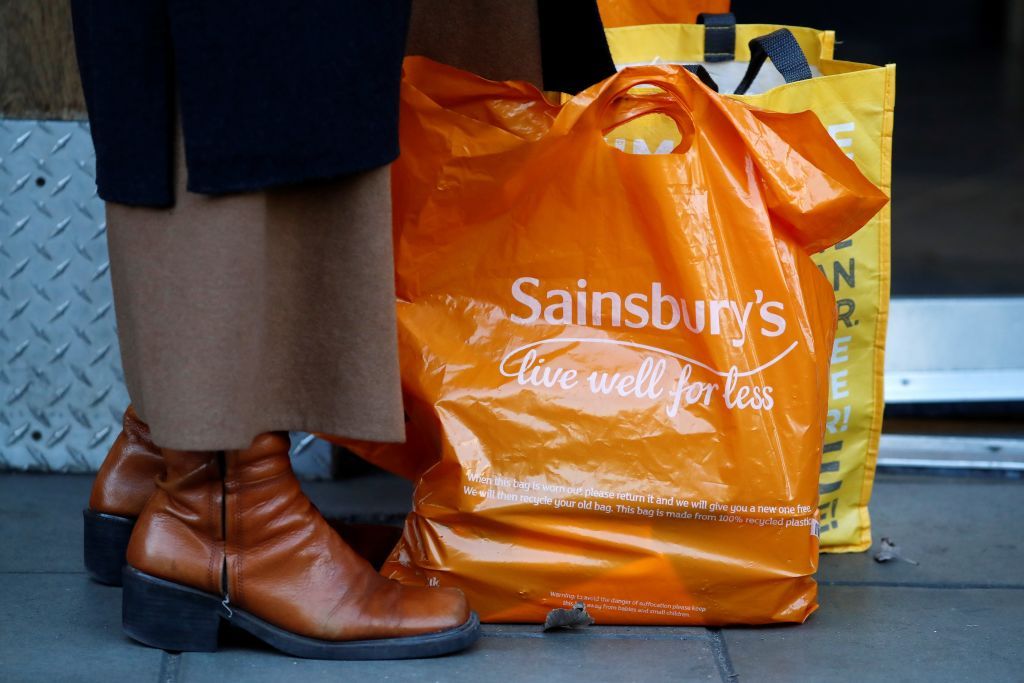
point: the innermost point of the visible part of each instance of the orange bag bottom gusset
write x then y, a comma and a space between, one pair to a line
652, 579
615, 366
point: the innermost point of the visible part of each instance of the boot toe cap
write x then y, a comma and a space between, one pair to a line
434, 610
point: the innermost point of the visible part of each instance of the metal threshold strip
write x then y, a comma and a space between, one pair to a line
956, 350
927, 452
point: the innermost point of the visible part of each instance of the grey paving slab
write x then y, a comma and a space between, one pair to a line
868, 633
520, 654
962, 531
41, 519
889, 621
62, 627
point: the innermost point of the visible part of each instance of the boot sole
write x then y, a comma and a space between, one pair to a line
170, 616
105, 544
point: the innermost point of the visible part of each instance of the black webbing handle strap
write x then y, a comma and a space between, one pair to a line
719, 36
783, 49
700, 72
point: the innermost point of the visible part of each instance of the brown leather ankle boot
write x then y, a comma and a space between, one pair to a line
123, 485
248, 547
126, 480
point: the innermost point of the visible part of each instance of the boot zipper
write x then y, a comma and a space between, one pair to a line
227, 608
222, 463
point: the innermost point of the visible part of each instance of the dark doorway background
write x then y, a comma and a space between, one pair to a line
958, 171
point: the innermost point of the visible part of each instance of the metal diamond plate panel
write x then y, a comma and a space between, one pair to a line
61, 387
62, 390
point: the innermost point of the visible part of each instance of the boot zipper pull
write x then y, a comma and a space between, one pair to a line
227, 608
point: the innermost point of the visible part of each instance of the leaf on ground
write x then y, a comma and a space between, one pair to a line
568, 618
888, 551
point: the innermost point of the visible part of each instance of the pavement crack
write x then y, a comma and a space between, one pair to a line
170, 667
721, 654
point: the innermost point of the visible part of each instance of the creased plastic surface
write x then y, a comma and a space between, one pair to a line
615, 366
855, 102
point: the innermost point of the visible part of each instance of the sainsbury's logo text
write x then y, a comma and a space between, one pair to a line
736, 320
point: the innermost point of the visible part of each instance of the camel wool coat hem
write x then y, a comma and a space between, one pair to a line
274, 309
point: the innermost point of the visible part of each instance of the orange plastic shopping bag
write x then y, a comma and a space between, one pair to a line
616, 13
615, 366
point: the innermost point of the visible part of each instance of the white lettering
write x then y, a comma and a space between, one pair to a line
657, 304
835, 129
522, 297
642, 316
565, 307
659, 309
841, 350
838, 384
772, 319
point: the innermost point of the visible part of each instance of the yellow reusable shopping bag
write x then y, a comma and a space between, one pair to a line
855, 103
